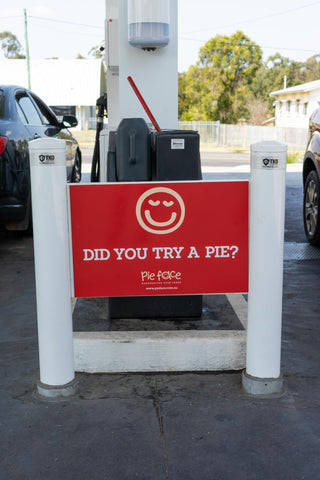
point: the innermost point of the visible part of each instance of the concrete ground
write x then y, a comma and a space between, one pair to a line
162, 426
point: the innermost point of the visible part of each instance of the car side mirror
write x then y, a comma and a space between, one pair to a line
69, 121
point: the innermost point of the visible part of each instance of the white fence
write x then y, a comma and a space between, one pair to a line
241, 136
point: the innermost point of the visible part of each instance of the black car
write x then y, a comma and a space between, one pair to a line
25, 117
311, 181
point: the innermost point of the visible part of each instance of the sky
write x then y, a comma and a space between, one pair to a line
65, 28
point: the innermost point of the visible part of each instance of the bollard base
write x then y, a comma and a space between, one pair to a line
56, 392
262, 387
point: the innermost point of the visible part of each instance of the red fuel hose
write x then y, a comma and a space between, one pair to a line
143, 103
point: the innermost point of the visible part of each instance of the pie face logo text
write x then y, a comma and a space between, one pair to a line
160, 210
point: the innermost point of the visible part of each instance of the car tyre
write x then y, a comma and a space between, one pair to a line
76, 172
311, 208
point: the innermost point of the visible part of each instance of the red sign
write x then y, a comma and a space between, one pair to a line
131, 239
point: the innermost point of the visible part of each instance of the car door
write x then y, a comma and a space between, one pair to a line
50, 120
14, 163
29, 115
41, 122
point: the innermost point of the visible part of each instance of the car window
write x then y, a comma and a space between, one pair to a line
21, 114
48, 118
27, 110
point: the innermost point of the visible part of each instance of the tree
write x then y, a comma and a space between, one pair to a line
183, 103
270, 77
258, 111
192, 95
279, 67
230, 82
219, 86
311, 69
10, 45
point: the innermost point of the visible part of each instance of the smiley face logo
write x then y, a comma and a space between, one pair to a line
160, 210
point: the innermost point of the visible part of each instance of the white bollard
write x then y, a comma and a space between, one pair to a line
266, 242
52, 269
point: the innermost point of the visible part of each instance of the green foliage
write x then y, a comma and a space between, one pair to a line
216, 89
193, 94
10, 45
231, 83
270, 77
311, 69
293, 156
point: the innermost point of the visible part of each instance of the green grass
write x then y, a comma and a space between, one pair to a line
240, 150
294, 156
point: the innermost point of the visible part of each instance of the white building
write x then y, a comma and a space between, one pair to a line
294, 105
69, 86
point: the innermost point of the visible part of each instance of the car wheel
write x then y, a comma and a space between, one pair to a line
311, 208
76, 172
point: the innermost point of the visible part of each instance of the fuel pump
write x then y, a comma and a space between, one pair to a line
141, 44
140, 153
102, 107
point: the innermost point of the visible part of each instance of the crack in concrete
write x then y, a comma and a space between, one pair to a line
160, 419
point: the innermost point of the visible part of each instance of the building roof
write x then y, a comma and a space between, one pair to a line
304, 87
58, 82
